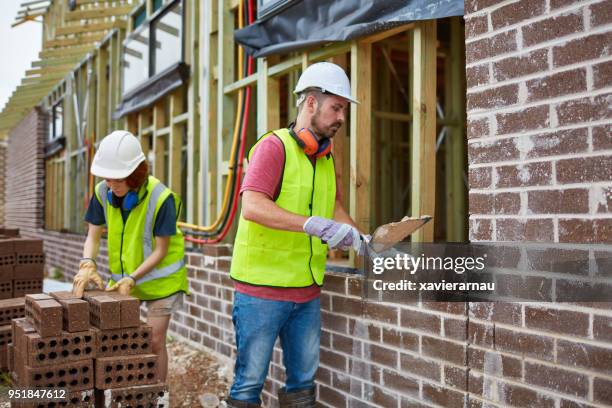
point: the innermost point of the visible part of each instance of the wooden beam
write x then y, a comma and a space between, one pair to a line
80, 40
97, 13
89, 28
160, 143
361, 134
424, 127
50, 70
175, 138
51, 62
79, 50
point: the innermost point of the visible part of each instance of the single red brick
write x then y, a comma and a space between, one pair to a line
125, 371
476, 26
490, 47
412, 319
481, 203
584, 355
584, 170
526, 344
552, 28
506, 203
558, 321
602, 390
523, 397
585, 231
585, 109
516, 12
480, 177
399, 382
602, 137
481, 230
444, 350
530, 174
602, 328
570, 201
601, 13
531, 288
502, 96
536, 230
582, 49
557, 379
419, 366
478, 128
480, 334
492, 151
485, 360
514, 67
525, 119
443, 396
477, 75
401, 339
456, 377
559, 142
335, 283
602, 75
381, 313
455, 328
382, 355
562, 83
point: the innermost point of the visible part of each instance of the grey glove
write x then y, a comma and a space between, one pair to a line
335, 234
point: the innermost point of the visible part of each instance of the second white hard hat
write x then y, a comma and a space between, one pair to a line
328, 77
118, 156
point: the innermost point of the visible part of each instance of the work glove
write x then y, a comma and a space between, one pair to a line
334, 234
87, 273
124, 286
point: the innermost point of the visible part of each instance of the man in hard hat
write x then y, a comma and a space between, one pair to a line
291, 215
145, 248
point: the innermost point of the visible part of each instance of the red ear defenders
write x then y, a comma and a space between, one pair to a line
309, 142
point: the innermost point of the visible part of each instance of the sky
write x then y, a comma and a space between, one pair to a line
19, 46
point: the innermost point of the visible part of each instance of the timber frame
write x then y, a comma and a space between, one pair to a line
187, 134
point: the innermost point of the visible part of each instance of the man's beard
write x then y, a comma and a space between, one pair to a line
328, 132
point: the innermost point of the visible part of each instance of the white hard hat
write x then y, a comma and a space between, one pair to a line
328, 77
118, 156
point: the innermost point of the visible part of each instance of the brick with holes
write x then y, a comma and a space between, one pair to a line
22, 287
105, 312
39, 351
75, 399
74, 375
152, 396
29, 259
125, 371
125, 341
46, 317
130, 309
75, 314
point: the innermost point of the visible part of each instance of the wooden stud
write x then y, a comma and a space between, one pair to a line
79, 28
361, 134
175, 138
102, 106
160, 145
424, 126
98, 13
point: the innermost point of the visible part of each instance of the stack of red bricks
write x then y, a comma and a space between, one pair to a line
22, 263
97, 348
9, 309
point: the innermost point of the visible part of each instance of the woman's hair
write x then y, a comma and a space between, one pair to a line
138, 176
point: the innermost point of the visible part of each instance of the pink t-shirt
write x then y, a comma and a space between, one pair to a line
264, 175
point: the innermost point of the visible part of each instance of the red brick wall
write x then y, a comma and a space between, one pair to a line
539, 141
24, 174
538, 101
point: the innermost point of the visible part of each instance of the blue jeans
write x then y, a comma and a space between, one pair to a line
257, 323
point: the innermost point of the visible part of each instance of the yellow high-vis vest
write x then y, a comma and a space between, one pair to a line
130, 243
271, 257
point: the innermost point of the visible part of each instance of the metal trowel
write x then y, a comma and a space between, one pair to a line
387, 235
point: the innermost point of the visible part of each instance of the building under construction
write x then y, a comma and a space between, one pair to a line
491, 116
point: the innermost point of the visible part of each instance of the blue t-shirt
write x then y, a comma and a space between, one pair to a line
165, 223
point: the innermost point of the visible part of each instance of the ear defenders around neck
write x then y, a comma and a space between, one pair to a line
129, 201
311, 145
